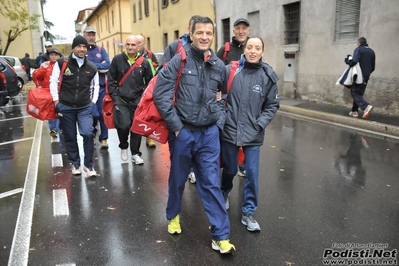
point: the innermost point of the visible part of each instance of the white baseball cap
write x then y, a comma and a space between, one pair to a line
48, 43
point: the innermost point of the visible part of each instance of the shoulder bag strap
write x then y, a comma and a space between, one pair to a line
183, 61
64, 66
136, 63
233, 69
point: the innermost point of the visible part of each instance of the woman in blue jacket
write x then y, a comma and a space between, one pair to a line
252, 103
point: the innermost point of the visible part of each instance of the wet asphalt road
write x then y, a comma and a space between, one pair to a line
319, 185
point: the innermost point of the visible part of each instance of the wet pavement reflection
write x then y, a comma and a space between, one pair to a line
319, 184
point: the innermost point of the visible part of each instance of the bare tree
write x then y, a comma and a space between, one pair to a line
16, 12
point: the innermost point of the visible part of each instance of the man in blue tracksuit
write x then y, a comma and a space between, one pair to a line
99, 57
194, 122
365, 57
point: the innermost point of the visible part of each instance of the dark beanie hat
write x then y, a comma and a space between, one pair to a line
79, 40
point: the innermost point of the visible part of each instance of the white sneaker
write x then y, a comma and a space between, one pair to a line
76, 169
124, 156
191, 177
367, 111
137, 159
90, 171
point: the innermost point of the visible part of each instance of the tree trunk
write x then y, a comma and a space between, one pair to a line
9, 41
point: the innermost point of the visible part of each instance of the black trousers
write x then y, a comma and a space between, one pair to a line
123, 118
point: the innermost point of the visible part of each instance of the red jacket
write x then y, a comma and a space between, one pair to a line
41, 76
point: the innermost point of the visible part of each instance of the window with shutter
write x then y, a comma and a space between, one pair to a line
347, 20
226, 30
140, 10
146, 8
291, 22
134, 13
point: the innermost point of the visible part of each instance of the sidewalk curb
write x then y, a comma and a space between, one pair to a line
350, 121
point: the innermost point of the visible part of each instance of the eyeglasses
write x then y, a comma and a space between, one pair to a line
49, 46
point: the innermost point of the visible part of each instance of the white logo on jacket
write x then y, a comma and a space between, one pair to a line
257, 88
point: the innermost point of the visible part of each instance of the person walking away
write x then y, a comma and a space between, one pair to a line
252, 103
74, 103
41, 78
365, 57
28, 65
99, 57
127, 96
194, 121
151, 58
39, 60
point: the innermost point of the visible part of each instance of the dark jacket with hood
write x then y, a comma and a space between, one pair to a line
365, 56
26, 62
236, 50
133, 86
196, 107
252, 103
45, 57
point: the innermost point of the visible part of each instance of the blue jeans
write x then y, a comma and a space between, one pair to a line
229, 158
82, 116
54, 125
201, 150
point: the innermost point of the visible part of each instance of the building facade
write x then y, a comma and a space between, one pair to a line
111, 19
306, 42
163, 21
80, 22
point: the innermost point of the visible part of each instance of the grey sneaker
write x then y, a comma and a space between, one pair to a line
226, 200
137, 159
242, 173
124, 155
250, 222
353, 114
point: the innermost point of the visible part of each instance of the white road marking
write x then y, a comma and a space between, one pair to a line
16, 118
60, 202
66, 264
56, 160
20, 244
15, 141
11, 192
371, 132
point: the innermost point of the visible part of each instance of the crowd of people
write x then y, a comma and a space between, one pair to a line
222, 104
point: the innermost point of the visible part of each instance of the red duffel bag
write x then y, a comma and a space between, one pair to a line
147, 121
108, 110
40, 104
